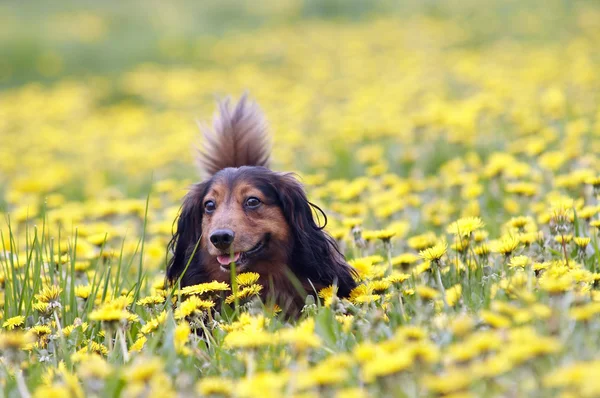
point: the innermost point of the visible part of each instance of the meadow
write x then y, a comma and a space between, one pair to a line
453, 146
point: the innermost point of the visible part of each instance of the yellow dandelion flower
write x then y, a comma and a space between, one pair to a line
387, 364
434, 253
42, 307
203, 288
465, 226
49, 294
327, 294
302, 336
506, 245
249, 338
150, 301
582, 241
14, 322
154, 323
138, 345
15, 340
422, 242
495, 320
244, 293
519, 262
143, 370
192, 306
93, 366
83, 291
209, 386
452, 381
404, 260
482, 250
563, 239
247, 278
109, 314
383, 234
397, 277
362, 294
181, 337
426, 292
453, 294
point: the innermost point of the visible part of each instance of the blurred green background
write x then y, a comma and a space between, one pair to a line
42, 41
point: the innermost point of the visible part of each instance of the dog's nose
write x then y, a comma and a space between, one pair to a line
222, 238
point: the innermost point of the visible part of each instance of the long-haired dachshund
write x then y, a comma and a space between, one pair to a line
259, 219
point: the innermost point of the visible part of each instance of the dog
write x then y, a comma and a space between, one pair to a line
245, 214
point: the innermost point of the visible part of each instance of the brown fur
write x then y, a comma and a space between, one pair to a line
238, 138
279, 239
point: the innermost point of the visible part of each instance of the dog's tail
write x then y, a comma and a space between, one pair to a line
238, 138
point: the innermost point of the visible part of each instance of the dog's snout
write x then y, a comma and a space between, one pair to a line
222, 238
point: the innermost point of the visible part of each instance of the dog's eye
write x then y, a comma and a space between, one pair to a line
209, 206
252, 202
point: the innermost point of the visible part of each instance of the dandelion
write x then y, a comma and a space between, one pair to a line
247, 278
204, 288
244, 293
208, 386
328, 294
301, 337
506, 245
50, 295
582, 242
13, 322
434, 253
494, 320
139, 344
181, 337
83, 291
465, 226
519, 262
249, 338
154, 323
387, 364
422, 242
150, 301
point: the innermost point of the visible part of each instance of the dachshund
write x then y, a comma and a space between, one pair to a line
245, 214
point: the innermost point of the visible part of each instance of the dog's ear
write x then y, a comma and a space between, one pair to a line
189, 232
314, 253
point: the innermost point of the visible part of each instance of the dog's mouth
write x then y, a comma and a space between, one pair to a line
241, 258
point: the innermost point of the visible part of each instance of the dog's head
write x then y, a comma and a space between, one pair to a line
262, 221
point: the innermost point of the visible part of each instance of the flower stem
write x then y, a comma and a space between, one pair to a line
438, 277
21, 385
564, 245
121, 336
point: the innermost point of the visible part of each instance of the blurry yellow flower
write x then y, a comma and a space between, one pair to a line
83, 291
465, 226
387, 364
426, 292
494, 320
138, 344
422, 242
519, 262
505, 245
181, 337
582, 241
208, 386
249, 338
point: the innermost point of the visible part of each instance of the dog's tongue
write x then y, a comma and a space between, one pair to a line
225, 260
